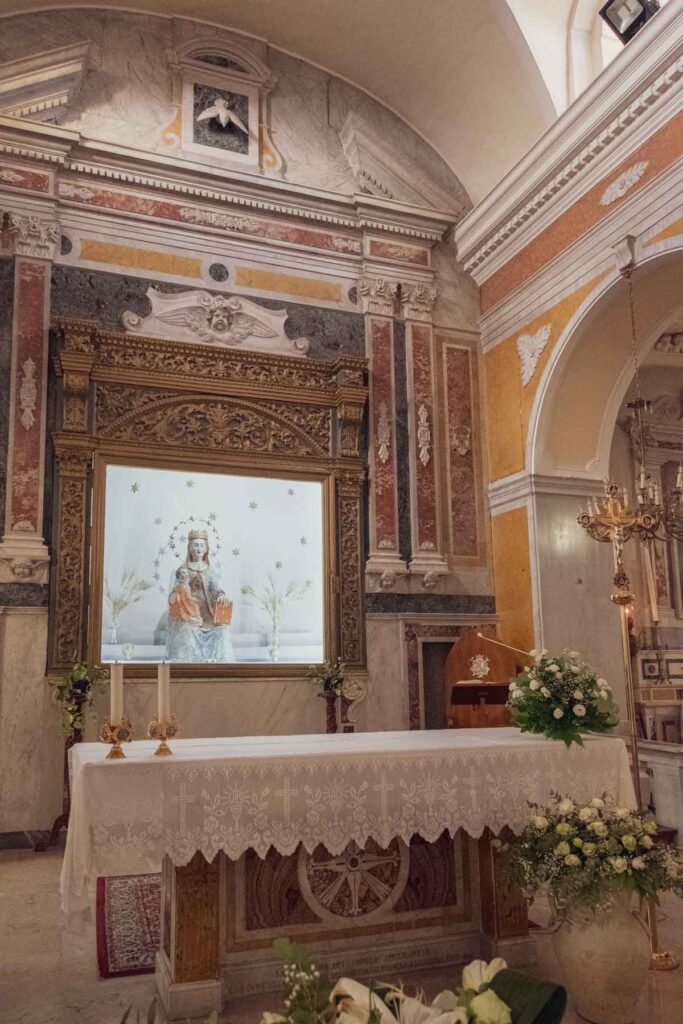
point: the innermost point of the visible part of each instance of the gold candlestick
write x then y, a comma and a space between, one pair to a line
164, 729
116, 733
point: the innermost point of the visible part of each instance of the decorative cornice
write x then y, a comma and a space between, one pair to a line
514, 491
634, 87
37, 86
377, 295
418, 301
33, 236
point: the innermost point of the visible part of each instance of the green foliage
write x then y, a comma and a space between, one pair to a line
561, 698
305, 997
75, 692
589, 854
329, 675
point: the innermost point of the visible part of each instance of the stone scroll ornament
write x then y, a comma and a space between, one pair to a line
218, 320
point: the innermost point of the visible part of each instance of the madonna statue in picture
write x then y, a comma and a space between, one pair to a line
199, 613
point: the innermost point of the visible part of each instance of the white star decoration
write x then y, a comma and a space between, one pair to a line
135, 488
235, 551
253, 505
189, 483
157, 521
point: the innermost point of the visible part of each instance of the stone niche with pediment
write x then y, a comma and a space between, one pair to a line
157, 402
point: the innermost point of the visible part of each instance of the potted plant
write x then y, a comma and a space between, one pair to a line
597, 863
75, 693
561, 697
330, 679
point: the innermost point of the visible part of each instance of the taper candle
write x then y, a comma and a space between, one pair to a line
116, 693
164, 691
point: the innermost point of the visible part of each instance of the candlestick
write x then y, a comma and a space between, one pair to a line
162, 729
164, 691
116, 733
679, 477
116, 693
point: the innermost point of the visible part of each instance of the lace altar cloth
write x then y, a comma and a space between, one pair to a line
279, 791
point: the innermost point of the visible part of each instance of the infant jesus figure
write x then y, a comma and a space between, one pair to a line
181, 603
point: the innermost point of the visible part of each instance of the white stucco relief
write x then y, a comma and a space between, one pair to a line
215, 320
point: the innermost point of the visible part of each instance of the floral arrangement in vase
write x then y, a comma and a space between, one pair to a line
75, 692
131, 590
592, 853
594, 861
308, 1001
329, 676
561, 698
273, 601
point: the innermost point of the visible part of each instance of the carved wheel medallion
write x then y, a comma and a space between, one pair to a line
359, 883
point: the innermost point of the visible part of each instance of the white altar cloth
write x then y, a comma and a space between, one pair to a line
257, 792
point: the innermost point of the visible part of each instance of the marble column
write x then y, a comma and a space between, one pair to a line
428, 559
24, 556
384, 559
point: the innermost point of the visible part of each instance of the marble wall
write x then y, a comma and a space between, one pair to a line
104, 296
30, 740
126, 95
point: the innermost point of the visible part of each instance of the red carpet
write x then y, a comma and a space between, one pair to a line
128, 911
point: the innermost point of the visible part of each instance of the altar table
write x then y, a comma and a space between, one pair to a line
373, 848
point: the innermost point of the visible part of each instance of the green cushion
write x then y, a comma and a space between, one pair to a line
531, 1001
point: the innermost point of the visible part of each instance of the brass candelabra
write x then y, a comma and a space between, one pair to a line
163, 729
116, 733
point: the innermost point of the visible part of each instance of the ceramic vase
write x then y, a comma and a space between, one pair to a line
604, 958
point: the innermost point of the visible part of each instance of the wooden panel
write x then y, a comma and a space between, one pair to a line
194, 952
504, 912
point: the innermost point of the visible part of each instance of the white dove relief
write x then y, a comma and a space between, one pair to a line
221, 112
530, 347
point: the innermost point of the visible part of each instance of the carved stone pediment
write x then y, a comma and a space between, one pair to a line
41, 87
381, 171
219, 320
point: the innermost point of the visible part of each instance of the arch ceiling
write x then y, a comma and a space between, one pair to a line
459, 71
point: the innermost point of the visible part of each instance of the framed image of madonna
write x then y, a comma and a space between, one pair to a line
211, 568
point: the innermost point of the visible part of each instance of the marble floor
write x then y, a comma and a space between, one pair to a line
50, 977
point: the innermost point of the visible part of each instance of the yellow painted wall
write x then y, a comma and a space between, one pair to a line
512, 573
141, 259
508, 403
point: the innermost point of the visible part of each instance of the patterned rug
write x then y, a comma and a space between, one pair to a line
128, 911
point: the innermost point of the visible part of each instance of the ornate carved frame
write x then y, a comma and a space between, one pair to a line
200, 408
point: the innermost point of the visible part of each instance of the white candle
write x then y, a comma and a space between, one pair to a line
164, 691
679, 477
116, 693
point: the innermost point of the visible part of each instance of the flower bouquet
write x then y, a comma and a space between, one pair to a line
592, 860
561, 698
589, 854
489, 994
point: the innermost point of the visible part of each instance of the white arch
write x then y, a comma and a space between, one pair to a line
541, 423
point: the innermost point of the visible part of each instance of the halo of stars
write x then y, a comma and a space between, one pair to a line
177, 538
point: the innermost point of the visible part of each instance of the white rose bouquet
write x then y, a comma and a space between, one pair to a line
561, 698
589, 853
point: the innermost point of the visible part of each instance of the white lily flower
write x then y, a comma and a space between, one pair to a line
558, 713
566, 806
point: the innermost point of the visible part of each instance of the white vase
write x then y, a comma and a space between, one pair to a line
604, 958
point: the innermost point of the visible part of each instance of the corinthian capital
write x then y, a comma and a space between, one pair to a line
377, 295
418, 301
33, 236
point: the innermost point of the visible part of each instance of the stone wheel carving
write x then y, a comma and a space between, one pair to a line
357, 884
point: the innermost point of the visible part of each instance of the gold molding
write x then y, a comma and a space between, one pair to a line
199, 408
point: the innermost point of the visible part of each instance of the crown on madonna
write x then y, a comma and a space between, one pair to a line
197, 535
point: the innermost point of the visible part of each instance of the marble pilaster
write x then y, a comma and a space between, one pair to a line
428, 559
384, 559
24, 556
